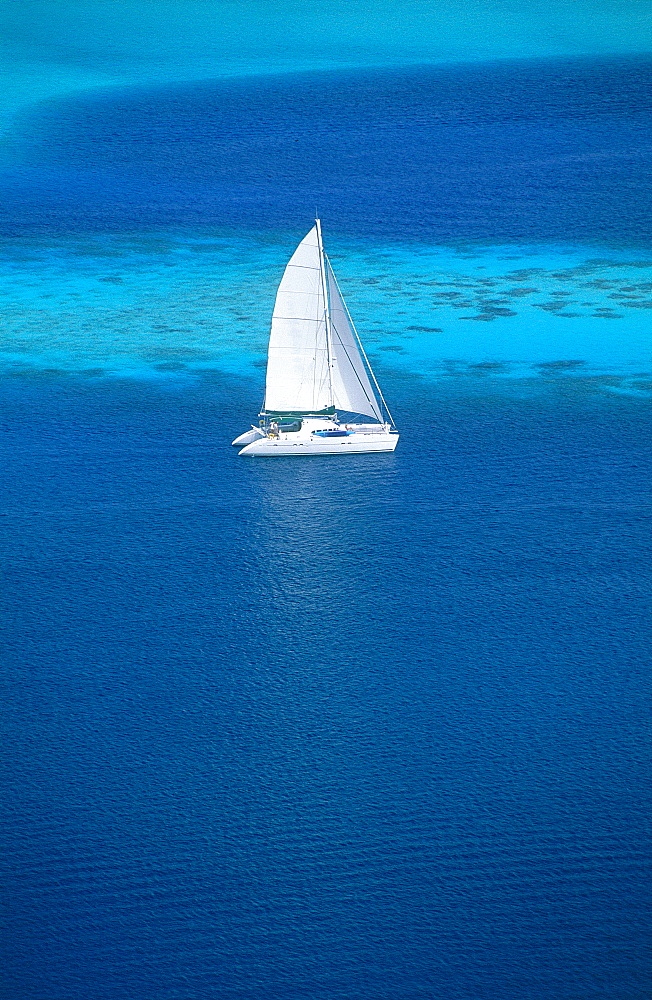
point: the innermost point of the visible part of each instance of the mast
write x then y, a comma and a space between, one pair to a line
327, 312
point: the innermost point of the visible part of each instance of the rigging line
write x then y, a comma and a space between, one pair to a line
371, 401
364, 354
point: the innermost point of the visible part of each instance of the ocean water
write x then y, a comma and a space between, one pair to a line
126, 42
328, 729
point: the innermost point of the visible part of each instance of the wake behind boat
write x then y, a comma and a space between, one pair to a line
317, 370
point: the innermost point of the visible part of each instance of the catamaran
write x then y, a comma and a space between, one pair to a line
321, 395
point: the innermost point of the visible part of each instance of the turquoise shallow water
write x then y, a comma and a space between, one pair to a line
165, 304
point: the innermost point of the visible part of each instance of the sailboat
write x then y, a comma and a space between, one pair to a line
321, 395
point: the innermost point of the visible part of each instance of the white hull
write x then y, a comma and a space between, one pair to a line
352, 439
253, 435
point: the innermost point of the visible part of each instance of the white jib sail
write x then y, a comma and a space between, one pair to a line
352, 389
298, 377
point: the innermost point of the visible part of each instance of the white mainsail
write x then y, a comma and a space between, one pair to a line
313, 362
298, 378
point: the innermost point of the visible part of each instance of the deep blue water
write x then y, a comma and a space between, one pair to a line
329, 729
540, 150
325, 729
